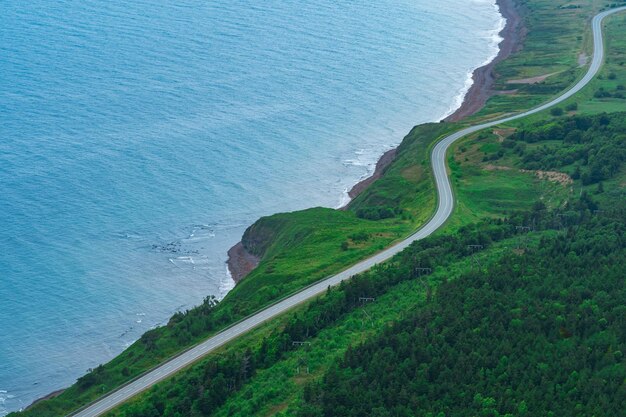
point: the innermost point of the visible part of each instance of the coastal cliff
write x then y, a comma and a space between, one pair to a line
246, 255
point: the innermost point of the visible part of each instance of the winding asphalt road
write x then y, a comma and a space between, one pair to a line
444, 210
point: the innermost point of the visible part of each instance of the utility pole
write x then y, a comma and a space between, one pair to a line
302, 362
301, 357
525, 230
474, 249
367, 316
422, 271
245, 366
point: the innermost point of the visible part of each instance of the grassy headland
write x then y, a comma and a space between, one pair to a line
493, 180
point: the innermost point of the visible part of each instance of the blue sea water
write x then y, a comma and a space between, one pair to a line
139, 139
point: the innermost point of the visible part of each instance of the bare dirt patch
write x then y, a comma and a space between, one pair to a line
503, 133
491, 167
506, 92
413, 173
583, 58
552, 176
278, 408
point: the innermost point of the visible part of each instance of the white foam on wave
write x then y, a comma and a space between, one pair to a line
363, 158
226, 284
199, 232
369, 158
344, 199
494, 43
139, 317
4, 396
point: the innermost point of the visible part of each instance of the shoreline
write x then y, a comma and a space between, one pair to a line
484, 78
53, 394
383, 162
240, 262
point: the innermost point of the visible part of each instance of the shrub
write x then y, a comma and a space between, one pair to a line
360, 237
602, 93
377, 213
557, 111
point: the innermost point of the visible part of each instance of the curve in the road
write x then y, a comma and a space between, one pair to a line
444, 210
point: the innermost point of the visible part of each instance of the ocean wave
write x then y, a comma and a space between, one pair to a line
4, 397
226, 284
344, 199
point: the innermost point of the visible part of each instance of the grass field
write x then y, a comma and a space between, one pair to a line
554, 45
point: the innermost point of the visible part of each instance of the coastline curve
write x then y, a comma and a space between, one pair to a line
442, 214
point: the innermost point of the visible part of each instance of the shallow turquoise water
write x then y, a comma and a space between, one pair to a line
137, 141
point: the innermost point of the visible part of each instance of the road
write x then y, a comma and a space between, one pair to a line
444, 210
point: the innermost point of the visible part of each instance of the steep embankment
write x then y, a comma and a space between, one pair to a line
296, 249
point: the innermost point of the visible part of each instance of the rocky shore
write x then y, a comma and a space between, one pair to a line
241, 262
484, 77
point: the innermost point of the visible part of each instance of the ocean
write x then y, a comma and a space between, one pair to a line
139, 139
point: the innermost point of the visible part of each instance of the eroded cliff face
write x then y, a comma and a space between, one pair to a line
241, 262
270, 236
246, 255
258, 238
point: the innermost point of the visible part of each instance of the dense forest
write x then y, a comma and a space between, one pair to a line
595, 146
540, 332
